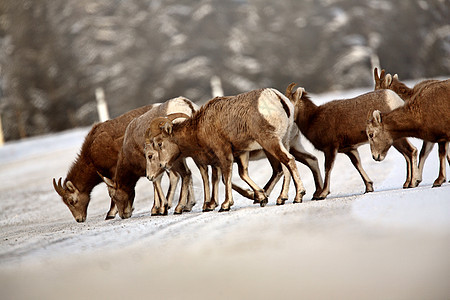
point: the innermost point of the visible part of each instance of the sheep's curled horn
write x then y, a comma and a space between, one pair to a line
375, 74
58, 187
162, 123
62, 189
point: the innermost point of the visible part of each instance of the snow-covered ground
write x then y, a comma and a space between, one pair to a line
390, 244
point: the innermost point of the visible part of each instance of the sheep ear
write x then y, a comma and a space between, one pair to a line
388, 80
110, 183
396, 76
167, 127
376, 116
375, 75
298, 93
382, 74
70, 187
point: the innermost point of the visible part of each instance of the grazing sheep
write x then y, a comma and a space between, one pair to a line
131, 164
339, 127
226, 128
152, 163
392, 82
425, 116
98, 153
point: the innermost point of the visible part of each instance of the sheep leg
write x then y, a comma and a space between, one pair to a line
173, 181
191, 197
186, 182
448, 155
162, 199
424, 152
112, 211
330, 156
226, 165
443, 148
284, 195
277, 172
279, 151
156, 202
247, 193
353, 154
410, 153
206, 189
215, 179
312, 163
242, 161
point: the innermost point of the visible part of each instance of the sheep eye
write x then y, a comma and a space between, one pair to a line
160, 145
370, 135
150, 156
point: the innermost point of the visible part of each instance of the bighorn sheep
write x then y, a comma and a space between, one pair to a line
99, 153
131, 164
388, 81
152, 161
339, 127
425, 116
226, 128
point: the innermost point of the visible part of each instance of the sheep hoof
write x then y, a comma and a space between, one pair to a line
177, 212
264, 202
369, 188
126, 216
109, 217
256, 202
164, 212
316, 195
224, 209
438, 182
281, 201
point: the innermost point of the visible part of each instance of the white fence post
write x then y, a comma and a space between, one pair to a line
216, 86
102, 106
2, 138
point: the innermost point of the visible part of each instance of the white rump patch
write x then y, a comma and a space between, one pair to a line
393, 100
271, 108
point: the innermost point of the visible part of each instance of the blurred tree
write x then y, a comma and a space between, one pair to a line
54, 54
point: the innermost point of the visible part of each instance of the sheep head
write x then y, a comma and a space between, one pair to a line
122, 198
160, 148
76, 201
380, 139
152, 169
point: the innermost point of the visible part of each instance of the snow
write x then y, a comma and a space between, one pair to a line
392, 243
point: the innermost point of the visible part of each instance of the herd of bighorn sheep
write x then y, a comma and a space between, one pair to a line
156, 139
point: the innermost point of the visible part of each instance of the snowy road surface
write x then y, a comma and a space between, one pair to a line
390, 244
